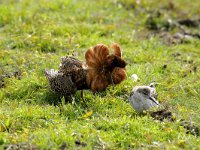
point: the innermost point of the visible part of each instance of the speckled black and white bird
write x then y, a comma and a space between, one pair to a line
142, 98
70, 77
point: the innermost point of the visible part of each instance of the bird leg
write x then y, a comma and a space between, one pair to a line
68, 98
111, 78
82, 97
81, 94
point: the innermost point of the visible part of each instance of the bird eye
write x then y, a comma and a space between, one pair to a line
131, 94
145, 93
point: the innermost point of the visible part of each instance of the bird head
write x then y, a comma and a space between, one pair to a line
145, 93
113, 61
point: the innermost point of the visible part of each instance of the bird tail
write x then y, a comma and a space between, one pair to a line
50, 73
102, 66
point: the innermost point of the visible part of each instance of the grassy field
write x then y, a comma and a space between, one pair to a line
158, 47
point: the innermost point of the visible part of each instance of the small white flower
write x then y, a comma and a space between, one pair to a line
135, 77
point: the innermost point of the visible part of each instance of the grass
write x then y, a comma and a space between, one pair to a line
35, 34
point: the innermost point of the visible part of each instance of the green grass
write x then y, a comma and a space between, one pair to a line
34, 35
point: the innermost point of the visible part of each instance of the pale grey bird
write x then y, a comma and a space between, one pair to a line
143, 98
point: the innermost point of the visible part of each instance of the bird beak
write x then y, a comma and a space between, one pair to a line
154, 100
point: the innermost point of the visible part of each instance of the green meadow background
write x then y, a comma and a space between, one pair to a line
158, 47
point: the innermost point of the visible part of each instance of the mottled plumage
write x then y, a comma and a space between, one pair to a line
60, 83
76, 69
70, 77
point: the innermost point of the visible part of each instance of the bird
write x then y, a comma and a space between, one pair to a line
70, 77
104, 69
99, 70
142, 98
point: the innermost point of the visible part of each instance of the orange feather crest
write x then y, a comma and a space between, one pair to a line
104, 69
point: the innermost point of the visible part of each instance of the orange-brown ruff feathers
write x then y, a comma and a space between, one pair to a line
103, 68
